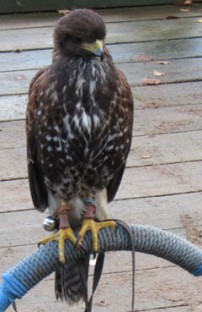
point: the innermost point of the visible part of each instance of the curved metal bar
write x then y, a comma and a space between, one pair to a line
20, 279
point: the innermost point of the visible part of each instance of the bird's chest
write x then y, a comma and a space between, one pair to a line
81, 153
81, 138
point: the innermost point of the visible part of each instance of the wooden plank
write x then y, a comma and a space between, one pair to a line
25, 60
167, 120
29, 20
39, 19
148, 181
15, 195
147, 13
159, 96
30, 222
167, 95
153, 30
164, 288
161, 180
182, 70
156, 50
13, 107
163, 212
167, 148
147, 150
132, 52
13, 163
134, 211
117, 33
12, 134
37, 5
16, 82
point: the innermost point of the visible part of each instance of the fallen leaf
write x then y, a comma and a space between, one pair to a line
146, 156
171, 17
142, 58
187, 2
18, 50
200, 20
185, 10
152, 81
63, 12
163, 62
20, 77
184, 3
158, 73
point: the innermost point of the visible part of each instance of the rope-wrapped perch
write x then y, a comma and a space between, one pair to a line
20, 279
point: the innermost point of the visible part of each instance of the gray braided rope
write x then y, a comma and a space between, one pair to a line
146, 239
20, 279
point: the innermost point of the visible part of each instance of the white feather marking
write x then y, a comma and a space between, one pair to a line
79, 86
92, 86
111, 137
77, 211
53, 202
49, 148
67, 127
86, 121
48, 137
101, 205
96, 121
57, 129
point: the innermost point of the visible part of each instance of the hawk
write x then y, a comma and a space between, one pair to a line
79, 129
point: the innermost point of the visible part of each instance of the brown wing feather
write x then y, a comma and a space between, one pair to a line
38, 188
125, 99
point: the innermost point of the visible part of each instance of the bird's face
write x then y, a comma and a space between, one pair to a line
80, 33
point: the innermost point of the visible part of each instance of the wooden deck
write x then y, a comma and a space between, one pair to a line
162, 185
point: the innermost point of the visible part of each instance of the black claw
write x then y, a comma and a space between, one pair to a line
39, 244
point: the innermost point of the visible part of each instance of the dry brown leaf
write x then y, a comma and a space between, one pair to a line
152, 81
163, 62
142, 58
18, 50
20, 77
158, 73
63, 12
146, 156
171, 17
187, 2
185, 10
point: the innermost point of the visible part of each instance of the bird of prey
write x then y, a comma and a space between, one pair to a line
79, 130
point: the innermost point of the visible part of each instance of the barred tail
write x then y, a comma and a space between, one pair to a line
71, 281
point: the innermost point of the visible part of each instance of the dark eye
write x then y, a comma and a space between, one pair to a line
77, 39
90, 40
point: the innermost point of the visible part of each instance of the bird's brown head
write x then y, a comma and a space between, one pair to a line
80, 33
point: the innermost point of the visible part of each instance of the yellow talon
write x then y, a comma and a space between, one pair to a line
61, 236
94, 227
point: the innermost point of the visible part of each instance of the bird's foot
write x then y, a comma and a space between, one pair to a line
61, 236
65, 232
89, 224
94, 227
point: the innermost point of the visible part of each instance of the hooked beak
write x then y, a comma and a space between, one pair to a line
96, 48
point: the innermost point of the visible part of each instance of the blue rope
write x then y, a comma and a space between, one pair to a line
198, 271
20, 279
10, 290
